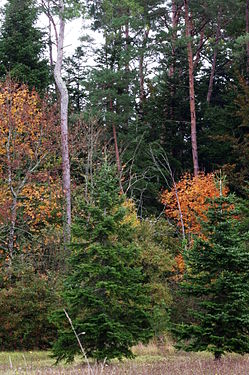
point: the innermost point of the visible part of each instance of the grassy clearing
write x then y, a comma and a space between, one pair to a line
151, 360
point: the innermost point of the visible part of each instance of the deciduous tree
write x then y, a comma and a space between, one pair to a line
193, 194
27, 128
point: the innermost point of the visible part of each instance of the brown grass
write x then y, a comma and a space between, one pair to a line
151, 360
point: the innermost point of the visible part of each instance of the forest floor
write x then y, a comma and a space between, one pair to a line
151, 360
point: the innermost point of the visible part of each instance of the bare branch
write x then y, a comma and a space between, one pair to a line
168, 169
46, 8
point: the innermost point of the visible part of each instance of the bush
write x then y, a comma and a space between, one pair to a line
159, 245
25, 303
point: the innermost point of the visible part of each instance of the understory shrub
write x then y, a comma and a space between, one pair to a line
25, 303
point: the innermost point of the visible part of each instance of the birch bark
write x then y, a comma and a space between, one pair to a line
64, 123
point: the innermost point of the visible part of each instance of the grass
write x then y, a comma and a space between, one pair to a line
150, 360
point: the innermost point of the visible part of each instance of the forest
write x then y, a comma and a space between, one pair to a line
124, 170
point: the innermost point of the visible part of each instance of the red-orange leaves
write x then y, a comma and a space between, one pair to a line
189, 199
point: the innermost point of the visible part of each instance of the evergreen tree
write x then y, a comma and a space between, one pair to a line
76, 72
105, 291
22, 45
118, 90
217, 275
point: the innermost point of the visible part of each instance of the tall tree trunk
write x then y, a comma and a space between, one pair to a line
50, 46
198, 53
64, 123
116, 148
127, 64
13, 212
127, 44
247, 44
141, 69
191, 91
174, 20
141, 81
13, 208
211, 79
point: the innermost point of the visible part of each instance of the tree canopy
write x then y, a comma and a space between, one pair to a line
160, 90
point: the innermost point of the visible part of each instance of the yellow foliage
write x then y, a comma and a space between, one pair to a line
131, 213
26, 125
27, 137
41, 204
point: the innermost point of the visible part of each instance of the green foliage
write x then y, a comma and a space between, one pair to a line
139, 87
76, 73
217, 275
238, 170
105, 293
25, 303
22, 45
73, 9
158, 243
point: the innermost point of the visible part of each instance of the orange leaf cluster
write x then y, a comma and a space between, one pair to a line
26, 126
193, 194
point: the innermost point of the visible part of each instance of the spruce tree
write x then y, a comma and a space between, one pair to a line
22, 45
217, 269
105, 293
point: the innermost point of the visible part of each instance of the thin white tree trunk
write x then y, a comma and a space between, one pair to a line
64, 124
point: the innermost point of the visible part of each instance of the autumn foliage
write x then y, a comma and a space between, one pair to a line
29, 191
188, 199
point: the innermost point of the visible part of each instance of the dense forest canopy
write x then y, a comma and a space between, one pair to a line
123, 170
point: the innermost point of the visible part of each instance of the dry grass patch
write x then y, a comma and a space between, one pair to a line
150, 360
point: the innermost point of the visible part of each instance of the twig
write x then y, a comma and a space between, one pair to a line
79, 342
168, 169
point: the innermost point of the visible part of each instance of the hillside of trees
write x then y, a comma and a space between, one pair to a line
124, 196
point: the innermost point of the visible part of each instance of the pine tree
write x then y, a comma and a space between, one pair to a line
22, 45
105, 293
217, 275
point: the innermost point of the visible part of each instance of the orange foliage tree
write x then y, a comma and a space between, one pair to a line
28, 193
188, 199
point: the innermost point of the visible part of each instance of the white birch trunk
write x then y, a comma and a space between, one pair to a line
64, 124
